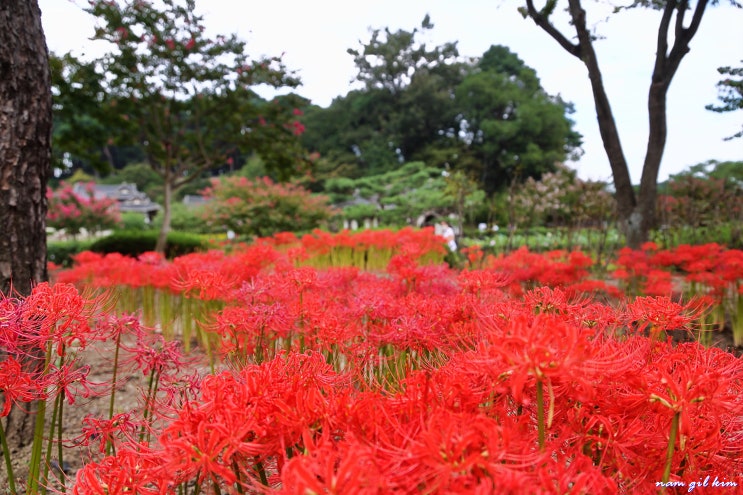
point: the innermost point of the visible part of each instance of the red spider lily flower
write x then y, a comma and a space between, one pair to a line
11, 325
59, 314
326, 466
658, 283
18, 385
155, 354
119, 430
72, 380
251, 330
660, 314
481, 282
702, 387
131, 471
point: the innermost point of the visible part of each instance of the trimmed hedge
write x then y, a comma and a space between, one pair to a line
61, 252
134, 243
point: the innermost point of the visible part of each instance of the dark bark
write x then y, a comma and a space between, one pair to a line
636, 212
25, 157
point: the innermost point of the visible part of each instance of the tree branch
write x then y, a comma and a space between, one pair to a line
543, 22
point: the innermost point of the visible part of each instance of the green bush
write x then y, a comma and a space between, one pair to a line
134, 243
131, 221
185, 219
61, 252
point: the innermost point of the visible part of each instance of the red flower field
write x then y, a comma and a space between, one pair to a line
363, 364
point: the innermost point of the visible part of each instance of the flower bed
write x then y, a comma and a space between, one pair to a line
519, 374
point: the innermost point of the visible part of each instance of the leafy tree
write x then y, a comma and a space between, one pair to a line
731, 93
489, 118
399, 115
261, 207
679, 22
512, 128
187, 100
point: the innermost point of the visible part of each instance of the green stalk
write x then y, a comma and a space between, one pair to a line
261, 472
236, 469
113, 388
540, 415
55, 424
36, 447
671, 446
6, 456
738, 322
113, 378
146, 412
60, 448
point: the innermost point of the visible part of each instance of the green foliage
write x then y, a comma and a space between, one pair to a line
133, 221
395, 198
185, 99
134, 243
61, 252
511, 127
187, 218
730, 93
488, 118
261, 207
703, 201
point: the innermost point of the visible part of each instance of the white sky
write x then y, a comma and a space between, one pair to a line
314, 37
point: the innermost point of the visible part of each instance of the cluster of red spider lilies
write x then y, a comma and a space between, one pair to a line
364, 364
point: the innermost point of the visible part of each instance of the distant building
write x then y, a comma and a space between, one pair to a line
130, 199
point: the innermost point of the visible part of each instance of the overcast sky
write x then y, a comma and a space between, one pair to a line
314, 37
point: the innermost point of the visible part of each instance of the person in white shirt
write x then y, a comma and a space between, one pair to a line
447, 232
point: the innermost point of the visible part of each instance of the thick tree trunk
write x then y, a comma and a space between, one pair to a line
25, 157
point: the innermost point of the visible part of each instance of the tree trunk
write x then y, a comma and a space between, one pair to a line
25, 157
636, 212
162, 238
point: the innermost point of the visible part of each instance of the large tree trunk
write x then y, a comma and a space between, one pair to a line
25, 157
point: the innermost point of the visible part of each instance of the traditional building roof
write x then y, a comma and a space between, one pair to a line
126, 194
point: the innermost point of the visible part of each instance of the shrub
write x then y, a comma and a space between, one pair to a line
61, 252
134, 243
261, 207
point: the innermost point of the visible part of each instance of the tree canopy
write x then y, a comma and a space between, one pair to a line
487, 117
186, 100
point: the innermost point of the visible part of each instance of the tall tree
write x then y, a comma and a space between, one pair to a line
187, 100
511, 128
679, 22
25, 134
487, 117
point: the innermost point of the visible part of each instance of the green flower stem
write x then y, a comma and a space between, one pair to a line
113, 388
671, 446
36, 447
6, 456
540, 415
